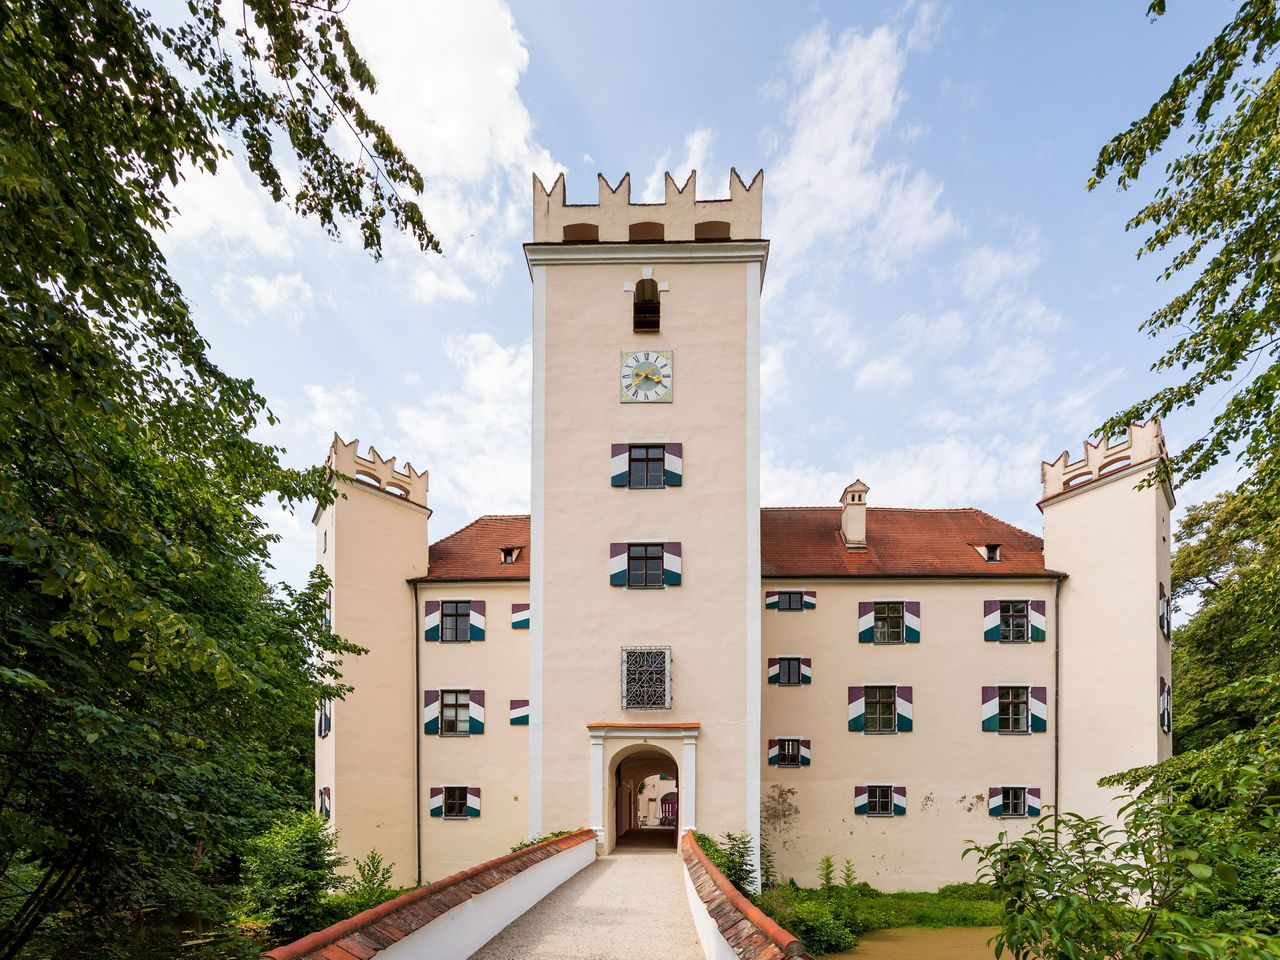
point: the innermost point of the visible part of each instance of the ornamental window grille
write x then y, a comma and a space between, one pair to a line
1014, 800
455, 803
1014, 711
788, 671
1013, 621
455, 621
455, 713
646, 678
888, 623
791, 600
880, 800
789, 752
646, 465
644, 565
881, 709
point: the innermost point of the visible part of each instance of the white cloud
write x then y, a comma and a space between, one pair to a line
985, 268
927, 25
344, 410
909, 223
231, 211
697, 156
1009, 368
474, 433
285, 298
775, 385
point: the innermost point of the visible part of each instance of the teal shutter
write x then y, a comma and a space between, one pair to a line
911, 621
1033, 801
991, 709
771, 599
806, 670
773, 753
431, 620
905, 709
991, 620
857, 709
617, 564
773, 670
1036, 621
806, 753
671, 564
437, 802
431, 711
859, 800
473, 801
619, 464
520, 616
995, 801
475, 712
866, 622
477, 619
1038, 700
899, 801
673, 464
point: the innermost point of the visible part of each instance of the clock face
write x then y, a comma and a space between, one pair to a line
646, 376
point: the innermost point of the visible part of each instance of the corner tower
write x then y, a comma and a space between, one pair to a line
645, 563
370, 541
1110, 533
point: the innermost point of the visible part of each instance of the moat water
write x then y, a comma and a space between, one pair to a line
923, 943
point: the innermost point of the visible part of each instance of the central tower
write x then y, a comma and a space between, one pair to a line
645, 550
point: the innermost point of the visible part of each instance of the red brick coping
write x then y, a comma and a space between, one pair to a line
751, 934
367, 933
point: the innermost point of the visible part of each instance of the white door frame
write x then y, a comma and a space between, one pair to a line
687, 767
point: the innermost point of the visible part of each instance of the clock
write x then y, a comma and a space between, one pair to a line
646, 376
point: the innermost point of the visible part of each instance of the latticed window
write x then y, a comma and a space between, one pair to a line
646, 678
791, 600
789, 752
788, 671
644, 565
888, 623
455, 621
646, 465
881, 710
1013, 621
1015, 801
455, 802
1013, 710
455, 713
880, 800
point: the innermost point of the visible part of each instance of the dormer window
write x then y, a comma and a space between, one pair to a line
646, 308
509, 554
993, 553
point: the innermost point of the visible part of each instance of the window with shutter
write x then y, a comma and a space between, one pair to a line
455, 621
324, 718
326, 803
520, 616
1166, 705
455, 803
519, 713
455, 713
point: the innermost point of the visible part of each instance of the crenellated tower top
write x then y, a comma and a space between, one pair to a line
681, 217
376, 471
1142, 443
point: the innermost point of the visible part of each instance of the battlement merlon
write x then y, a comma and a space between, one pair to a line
377, 471
681, 217
1142, 443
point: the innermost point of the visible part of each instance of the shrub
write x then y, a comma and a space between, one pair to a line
848, 879
968, 891
287, 872
732, 857
818, 928
524, 844
768, 869
827, 872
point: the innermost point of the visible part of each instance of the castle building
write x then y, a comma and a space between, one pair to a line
876, 683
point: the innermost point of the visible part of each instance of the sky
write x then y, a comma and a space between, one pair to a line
945, 304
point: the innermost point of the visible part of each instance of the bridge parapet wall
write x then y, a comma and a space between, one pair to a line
454, 917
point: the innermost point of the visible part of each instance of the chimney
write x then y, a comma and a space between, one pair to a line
853, 515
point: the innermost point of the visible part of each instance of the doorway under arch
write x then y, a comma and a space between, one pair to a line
634, 825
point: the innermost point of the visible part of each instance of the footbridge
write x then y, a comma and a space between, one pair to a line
559, 899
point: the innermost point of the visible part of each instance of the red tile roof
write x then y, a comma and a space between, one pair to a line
475, 551
806, 542
796, 542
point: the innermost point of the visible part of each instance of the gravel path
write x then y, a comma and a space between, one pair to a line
623, 903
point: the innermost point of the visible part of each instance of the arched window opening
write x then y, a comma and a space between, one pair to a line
581, 233
711, 230
647, 308
646, 231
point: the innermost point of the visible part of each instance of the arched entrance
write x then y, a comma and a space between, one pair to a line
624, 755
645, 799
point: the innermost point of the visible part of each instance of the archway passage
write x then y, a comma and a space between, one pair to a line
646, 800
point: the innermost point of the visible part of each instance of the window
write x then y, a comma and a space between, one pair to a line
881, 710
509, 554
646, 308
455, 621
879, 800
325, 538
455, 714
1013, 621
888, 623
646, 678
455, 803
789, 671
791, 600
324, 720
993, 553
1014, 800
789, 752
1013, 710
646, 466
644, 565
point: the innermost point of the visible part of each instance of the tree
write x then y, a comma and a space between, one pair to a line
1215, 215
147, 669
1226, 562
